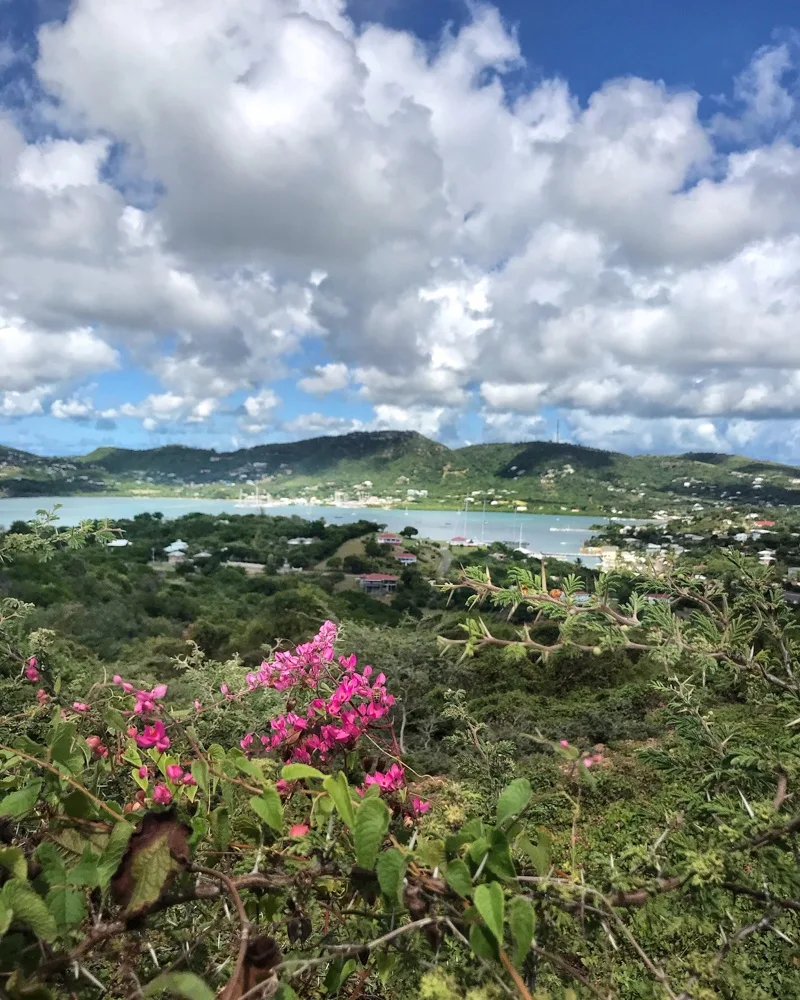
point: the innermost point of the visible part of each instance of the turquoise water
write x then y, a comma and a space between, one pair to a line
568, 535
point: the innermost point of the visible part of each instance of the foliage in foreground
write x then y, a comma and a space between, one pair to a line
150, 848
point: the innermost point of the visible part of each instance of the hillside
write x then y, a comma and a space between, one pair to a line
393, 465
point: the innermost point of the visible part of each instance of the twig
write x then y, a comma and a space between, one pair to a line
70, 781
233, 892
508, 965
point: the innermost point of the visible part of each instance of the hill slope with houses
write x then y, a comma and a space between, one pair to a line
403, 466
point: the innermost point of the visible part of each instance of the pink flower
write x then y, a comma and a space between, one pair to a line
299, 830
197, 706
132, 731
33, 662
282, 786
32, 674
42, 696
80, 706
564, 743
188, 780
588, 761
154, 736
419, 808
162, 795
143, 772
245, 743
224, 688
174, 772
159, 691
93, 741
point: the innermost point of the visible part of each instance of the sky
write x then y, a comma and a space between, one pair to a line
226, 222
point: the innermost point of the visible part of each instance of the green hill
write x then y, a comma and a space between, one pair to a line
541, 474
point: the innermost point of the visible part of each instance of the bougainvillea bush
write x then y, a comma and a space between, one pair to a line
300, 856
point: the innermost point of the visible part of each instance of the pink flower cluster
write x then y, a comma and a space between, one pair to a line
32, 670
352, 701
394, 780
302, 667
153, 736
145, 700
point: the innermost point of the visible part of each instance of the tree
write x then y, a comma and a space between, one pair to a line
409, 532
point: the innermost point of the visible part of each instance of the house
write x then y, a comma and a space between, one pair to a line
302, 541
389, 539
766, 556
118, 543
581, 597
378, 583
176, 558
178, 546
406, 558
203, 555
765, 524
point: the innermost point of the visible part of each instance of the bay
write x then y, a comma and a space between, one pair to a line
554, 535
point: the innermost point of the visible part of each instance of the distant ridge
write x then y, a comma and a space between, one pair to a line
393, 462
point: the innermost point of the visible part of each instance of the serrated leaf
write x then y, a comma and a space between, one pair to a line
339, 791
391, 868
151, 866
269, 808
482, 943
13, 860
67, 905
513, 799
85, 872
179, 984
200, 774
53, 868
114, 851
292, 772
20, 803
522, 921
372, 822
29, 909
220, 823
458, 877
490, 903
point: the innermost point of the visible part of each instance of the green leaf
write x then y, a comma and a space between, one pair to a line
482, 943
151, 866
458, 877
67, 905
522, 921
220, 828
20, 803
13, 860
61, 742
339, 791
6, 916
269, 808
513, 799
29, 909
538, 853
200, 774
291, 772
499, 861
372, 822
114, 851
490, 903
85, 872
52, 863
248, 767
338, 973
285, 992
391, 868
179, 984
115, 720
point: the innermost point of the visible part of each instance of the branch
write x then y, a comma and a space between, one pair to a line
230, 886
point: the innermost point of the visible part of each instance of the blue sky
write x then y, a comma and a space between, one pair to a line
223, 223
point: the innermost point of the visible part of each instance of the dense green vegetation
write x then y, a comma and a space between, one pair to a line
564, 796
543, 475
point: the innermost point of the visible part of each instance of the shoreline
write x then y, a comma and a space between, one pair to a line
273, 510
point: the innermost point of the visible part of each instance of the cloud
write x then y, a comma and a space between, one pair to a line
22, 404
72, 409
326, 379
221, 202
316, 424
